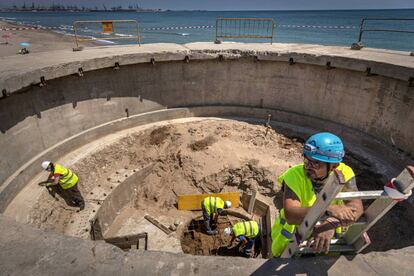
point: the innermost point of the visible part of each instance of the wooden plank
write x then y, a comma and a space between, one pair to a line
237, 214
158, 224
193, 202
251, 203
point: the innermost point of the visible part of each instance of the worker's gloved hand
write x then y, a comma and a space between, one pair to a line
321, 241
345, 214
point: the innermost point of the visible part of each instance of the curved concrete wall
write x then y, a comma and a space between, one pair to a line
298, 87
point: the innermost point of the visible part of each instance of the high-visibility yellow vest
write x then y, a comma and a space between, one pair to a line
211, 204
301, 185
249, 229
67, 178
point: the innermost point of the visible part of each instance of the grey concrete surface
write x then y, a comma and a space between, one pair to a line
373, 150
35, 119
121, 196
25, 250
373, 112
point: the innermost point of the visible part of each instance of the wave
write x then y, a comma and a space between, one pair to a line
63, 32
105, 41
124, 35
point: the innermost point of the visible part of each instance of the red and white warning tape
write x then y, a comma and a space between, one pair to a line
28, 28
318, 26
178, 28
183, 27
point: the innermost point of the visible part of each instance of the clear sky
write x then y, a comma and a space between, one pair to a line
230, 4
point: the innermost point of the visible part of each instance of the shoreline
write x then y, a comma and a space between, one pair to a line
40, 40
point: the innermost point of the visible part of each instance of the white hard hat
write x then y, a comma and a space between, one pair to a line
45, 164
227, 231
227, 204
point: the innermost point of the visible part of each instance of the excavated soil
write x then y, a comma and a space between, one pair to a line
194, 241
197, 157
209, 156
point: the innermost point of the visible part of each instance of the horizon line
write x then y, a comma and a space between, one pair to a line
165, 9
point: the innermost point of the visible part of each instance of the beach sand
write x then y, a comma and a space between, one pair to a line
40, 40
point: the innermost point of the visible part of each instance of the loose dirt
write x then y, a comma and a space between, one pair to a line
209, 156
196, 242
197, 157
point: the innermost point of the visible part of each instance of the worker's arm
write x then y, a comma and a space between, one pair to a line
54, 179
215, 217
352, 210
241, 239
294, 213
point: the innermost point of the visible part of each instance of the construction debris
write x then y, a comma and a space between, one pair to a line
158, 224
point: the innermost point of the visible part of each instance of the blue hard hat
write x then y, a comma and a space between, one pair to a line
325, 147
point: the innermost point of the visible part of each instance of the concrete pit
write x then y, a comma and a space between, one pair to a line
139, 136
141, 171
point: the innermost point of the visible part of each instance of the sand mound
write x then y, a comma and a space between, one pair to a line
196, 157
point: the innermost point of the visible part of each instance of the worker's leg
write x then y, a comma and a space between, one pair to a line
207, 222
249, 246
65, 194
77, 196
251, 241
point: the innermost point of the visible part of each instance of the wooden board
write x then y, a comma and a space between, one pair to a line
158, 224
193, 202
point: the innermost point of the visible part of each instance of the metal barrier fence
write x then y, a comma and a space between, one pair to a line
245, 28
105, 30
362, 30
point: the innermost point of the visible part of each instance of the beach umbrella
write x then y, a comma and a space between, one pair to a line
25, 44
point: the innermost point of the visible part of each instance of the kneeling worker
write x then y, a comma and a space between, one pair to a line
212, 208
245, 232
67, 181
323, 152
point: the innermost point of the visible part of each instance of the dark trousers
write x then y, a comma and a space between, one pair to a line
72, 196
208, 219
251, 241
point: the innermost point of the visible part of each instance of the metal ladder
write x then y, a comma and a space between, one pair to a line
355, 239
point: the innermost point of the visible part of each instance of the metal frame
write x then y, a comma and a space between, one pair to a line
362, 30
378, 209
129, 241
80, 39
247, 24
333, 186
355, 239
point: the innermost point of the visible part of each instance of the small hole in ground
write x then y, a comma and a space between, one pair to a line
196, 242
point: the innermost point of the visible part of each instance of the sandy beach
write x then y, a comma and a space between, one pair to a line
40, 40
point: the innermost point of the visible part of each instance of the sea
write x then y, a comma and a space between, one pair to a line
324, 27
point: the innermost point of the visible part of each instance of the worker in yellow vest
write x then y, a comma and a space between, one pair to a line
244, 232
323, 152
212, 207
67, 181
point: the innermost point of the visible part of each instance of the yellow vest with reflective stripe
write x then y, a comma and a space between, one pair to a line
249, 229
67, 178
301, 185
211, 204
